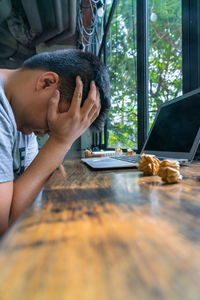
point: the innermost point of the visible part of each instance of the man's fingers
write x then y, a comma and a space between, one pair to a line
53, 105
93, 99
77, 97
93, 90
98, 94
95, 115
93, 110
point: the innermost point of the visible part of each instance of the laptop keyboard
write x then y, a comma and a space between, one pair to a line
136, 158
129, 158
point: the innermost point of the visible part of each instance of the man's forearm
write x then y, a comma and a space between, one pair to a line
29, 184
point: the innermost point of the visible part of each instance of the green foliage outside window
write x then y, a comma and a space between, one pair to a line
165, 53
165, 57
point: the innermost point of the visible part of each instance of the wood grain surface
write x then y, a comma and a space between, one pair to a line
106, 235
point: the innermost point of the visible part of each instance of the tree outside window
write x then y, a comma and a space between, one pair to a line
165, 64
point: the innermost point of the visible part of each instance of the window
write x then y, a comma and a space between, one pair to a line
152, 50
122, 58
165, 65
165, 53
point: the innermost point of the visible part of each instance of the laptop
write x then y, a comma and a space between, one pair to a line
175, 134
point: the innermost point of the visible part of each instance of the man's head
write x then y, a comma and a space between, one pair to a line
61, 68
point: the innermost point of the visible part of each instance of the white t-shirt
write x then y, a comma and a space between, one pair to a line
17, 150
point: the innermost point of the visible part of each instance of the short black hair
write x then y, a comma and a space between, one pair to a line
68, 64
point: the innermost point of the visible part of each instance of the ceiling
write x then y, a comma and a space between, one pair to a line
31, 26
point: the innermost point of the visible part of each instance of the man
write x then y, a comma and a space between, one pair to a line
45, 96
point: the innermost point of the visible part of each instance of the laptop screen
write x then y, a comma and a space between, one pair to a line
176, 125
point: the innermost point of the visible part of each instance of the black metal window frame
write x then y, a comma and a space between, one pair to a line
191, 44
190, 59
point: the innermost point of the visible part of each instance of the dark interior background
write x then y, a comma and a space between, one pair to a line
31, 26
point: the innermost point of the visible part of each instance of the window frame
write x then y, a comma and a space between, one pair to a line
191, 47
191, 44
190, 61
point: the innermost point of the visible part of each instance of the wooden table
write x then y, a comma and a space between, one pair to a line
106, 235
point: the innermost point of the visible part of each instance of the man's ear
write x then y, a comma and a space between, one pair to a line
47, 80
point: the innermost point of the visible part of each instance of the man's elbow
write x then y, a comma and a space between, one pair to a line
3, 227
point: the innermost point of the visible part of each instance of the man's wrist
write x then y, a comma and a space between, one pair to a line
60, 142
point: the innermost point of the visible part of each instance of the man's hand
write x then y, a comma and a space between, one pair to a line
68, 126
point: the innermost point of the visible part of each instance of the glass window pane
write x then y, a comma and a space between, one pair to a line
165, 53
122, 56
